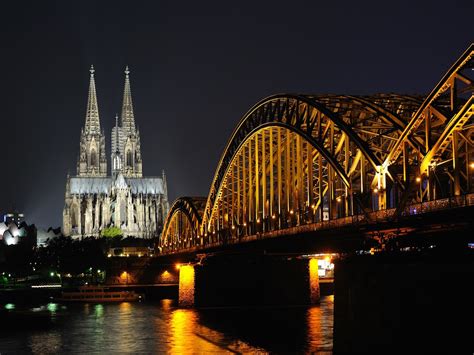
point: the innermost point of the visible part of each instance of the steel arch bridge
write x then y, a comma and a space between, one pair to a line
296, 160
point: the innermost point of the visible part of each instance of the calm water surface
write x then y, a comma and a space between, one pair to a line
162, 327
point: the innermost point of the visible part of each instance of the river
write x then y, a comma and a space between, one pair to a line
161, 327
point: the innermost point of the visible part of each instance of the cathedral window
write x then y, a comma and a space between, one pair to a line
129, 158
73, 217
93, 158
117, 162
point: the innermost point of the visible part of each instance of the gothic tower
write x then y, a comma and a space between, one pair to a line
126, 149
92, 161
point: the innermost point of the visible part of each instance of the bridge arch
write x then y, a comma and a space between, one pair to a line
181, 227
342, 138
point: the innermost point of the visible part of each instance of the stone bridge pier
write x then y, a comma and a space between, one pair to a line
249, 280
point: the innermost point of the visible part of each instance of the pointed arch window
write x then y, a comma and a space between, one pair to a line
93, 158
117, 162
129, 158
74, 221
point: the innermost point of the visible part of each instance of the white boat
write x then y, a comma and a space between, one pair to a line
98, 294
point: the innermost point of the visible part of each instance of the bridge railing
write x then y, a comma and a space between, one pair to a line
441, 204
371, 217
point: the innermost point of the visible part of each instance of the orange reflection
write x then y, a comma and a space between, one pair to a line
166, 304
320, 326
125, 307
183, 339
314, 327
188, 336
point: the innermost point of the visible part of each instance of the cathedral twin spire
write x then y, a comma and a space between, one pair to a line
92, 158
126, 155
92, 115
128, 120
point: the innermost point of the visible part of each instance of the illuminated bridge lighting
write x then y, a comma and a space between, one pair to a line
300, 162
47, 286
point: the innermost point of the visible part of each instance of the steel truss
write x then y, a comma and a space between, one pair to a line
180, 230
302, 159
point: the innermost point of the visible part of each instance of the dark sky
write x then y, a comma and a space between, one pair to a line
196, 68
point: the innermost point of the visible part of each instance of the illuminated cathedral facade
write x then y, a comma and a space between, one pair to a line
125, 199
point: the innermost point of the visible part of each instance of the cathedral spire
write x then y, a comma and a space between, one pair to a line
92, 161
116, 134
128, 120
165, 185
92, 125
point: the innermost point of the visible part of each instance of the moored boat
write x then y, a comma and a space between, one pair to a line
98, 294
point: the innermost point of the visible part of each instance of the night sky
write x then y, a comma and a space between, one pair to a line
196, 68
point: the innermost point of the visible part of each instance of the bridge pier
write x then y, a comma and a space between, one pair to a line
250, 280
314, 289
419, 303
186, 286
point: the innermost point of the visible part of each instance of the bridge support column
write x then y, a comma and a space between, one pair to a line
314, 290
186, 286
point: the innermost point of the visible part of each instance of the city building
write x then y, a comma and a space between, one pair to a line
14, 217
43, 235
11, 233
125, 199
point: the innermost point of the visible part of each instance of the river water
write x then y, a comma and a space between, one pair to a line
161, 327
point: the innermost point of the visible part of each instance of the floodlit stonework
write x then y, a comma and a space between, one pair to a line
137, 205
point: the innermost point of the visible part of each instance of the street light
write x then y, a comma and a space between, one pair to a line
125, 275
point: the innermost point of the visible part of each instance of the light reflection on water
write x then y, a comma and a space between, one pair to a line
161, 327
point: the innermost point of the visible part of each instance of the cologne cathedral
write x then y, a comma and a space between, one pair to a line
125, 199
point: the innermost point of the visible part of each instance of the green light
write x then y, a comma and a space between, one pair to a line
99, 310
9, 306
98, 271
52, 307
51, 274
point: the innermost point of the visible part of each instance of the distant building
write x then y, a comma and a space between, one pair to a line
11, 233
42, 236
130, 251
137, 205
14, 217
